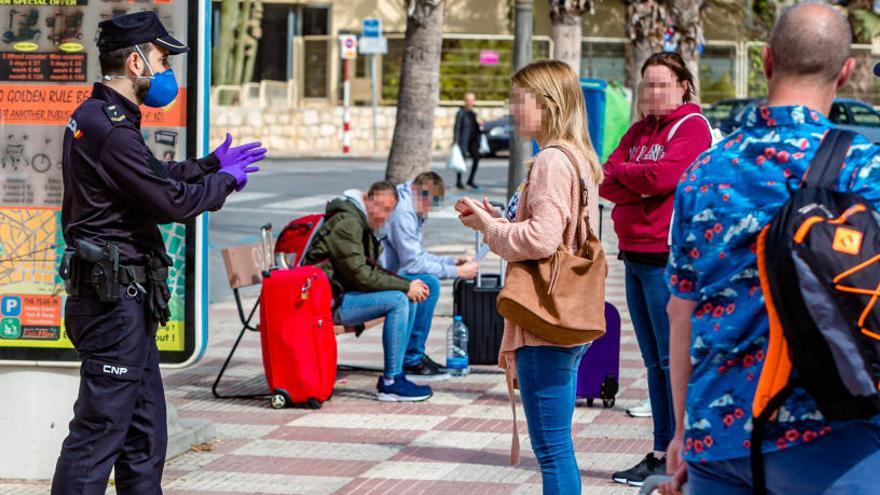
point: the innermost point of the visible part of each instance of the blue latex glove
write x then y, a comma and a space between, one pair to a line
238, 161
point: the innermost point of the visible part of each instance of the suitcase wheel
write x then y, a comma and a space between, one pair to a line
608, 391
281, 399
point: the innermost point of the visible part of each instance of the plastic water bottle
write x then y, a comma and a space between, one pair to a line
456, 348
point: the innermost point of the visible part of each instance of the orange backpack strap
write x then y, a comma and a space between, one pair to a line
777, 364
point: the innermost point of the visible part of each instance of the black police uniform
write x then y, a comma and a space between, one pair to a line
115, 195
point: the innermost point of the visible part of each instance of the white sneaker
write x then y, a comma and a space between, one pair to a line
642, 410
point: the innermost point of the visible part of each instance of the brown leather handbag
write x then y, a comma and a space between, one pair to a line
560, 299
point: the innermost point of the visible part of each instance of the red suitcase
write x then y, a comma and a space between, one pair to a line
297, 236
296, 330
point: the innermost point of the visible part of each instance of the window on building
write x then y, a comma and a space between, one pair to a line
603, 60
717, 69
274, 56
315, 21
466, 66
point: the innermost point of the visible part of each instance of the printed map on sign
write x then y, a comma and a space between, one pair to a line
29, 249
31, 292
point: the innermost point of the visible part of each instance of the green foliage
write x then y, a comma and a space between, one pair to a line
865, 24
757, 82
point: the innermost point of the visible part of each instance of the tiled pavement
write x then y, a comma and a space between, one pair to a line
457, 443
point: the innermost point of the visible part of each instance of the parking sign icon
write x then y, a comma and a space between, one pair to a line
10, 306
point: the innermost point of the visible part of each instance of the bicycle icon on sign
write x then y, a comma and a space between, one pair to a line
15, 160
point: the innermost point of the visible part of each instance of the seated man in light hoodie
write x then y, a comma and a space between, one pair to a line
404, 253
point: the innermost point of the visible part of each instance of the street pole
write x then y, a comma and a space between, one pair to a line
374, 88
520, 149
346, 101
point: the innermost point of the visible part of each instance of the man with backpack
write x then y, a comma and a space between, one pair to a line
347, 247
404, 253
724, 340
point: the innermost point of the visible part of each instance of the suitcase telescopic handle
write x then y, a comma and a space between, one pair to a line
477, 251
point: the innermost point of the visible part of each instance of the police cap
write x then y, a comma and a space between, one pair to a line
133, 29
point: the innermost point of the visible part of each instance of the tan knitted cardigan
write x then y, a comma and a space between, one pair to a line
544, 220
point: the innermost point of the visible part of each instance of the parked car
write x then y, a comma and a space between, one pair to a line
723, 113
846, 113
498, 133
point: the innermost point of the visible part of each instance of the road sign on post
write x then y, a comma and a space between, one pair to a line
372, 43
348, 44
347, 52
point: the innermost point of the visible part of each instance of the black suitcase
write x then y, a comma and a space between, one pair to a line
474, 301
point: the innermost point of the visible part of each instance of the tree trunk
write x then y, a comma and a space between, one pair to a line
228, 21
241, 37
686, 16
419, 91
646, 23
567, 30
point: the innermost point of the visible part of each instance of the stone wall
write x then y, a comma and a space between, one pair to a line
318, 131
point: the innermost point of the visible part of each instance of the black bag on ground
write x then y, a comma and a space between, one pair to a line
474, 301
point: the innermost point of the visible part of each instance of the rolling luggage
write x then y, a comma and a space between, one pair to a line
474, 301
296, 330
295, 238
598, 376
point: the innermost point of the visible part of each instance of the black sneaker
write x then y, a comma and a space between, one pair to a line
426, 371
637, 474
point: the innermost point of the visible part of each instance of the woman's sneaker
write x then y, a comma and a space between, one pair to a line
642, 410
402, 390
637, 474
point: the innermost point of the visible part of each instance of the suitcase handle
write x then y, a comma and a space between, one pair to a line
479, 283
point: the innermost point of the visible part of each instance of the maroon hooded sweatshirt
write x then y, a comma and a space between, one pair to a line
641, 175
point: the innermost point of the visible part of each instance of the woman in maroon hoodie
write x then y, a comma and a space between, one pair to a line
640, 179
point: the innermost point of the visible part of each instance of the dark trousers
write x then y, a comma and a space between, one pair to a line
119, 416
474, 154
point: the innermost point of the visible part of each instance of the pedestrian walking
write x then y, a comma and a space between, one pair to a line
116, 194
547, 105
720, 325
466, 134
640, 178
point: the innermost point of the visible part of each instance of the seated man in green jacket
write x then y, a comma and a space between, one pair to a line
348, 249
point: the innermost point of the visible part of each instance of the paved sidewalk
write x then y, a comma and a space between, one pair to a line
456, 443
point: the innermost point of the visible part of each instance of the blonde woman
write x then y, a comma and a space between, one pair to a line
547, 105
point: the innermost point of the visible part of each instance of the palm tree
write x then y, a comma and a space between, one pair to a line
419, 91
567, 19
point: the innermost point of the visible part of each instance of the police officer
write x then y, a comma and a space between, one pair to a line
116, 193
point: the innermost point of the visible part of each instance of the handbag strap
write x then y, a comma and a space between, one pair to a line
583, 192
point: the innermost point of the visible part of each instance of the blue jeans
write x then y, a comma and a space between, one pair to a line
646, 298
547, 384
424, 316
399, 313
843, 462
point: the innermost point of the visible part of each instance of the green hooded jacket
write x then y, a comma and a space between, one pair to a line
348, 251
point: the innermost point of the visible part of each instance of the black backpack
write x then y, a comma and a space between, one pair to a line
819, 264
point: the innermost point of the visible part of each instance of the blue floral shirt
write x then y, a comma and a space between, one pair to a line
721, 204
